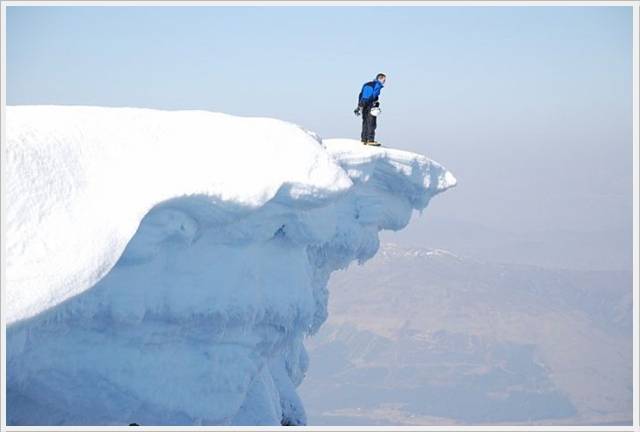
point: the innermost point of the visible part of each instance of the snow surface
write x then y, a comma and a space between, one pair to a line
163, 267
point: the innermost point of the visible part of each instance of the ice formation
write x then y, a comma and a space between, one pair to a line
164, 267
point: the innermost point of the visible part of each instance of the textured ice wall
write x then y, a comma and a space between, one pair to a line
164, 267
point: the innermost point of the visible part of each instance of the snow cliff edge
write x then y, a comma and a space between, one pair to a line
163, 267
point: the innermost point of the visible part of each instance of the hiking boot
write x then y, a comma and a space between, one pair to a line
373, 143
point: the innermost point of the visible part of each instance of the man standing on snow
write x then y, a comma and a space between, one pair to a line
369, 106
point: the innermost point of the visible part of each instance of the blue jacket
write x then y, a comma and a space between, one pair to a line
369, 93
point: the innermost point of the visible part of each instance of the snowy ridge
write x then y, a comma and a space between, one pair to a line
163, 267
394, 250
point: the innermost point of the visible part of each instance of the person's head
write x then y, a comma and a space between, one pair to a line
381, 77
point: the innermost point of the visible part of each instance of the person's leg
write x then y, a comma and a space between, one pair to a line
374, 123
370, 126
366, 114
363, 134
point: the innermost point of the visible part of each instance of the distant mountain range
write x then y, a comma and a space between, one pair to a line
424, 337
597, 249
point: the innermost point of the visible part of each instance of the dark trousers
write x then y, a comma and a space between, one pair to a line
368, 125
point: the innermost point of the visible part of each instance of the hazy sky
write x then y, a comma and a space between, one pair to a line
530, 107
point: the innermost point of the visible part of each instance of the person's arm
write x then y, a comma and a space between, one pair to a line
367, 92
375, 93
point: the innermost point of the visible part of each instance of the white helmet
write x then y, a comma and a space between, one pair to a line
375, 111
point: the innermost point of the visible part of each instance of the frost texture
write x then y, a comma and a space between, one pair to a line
164, 267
